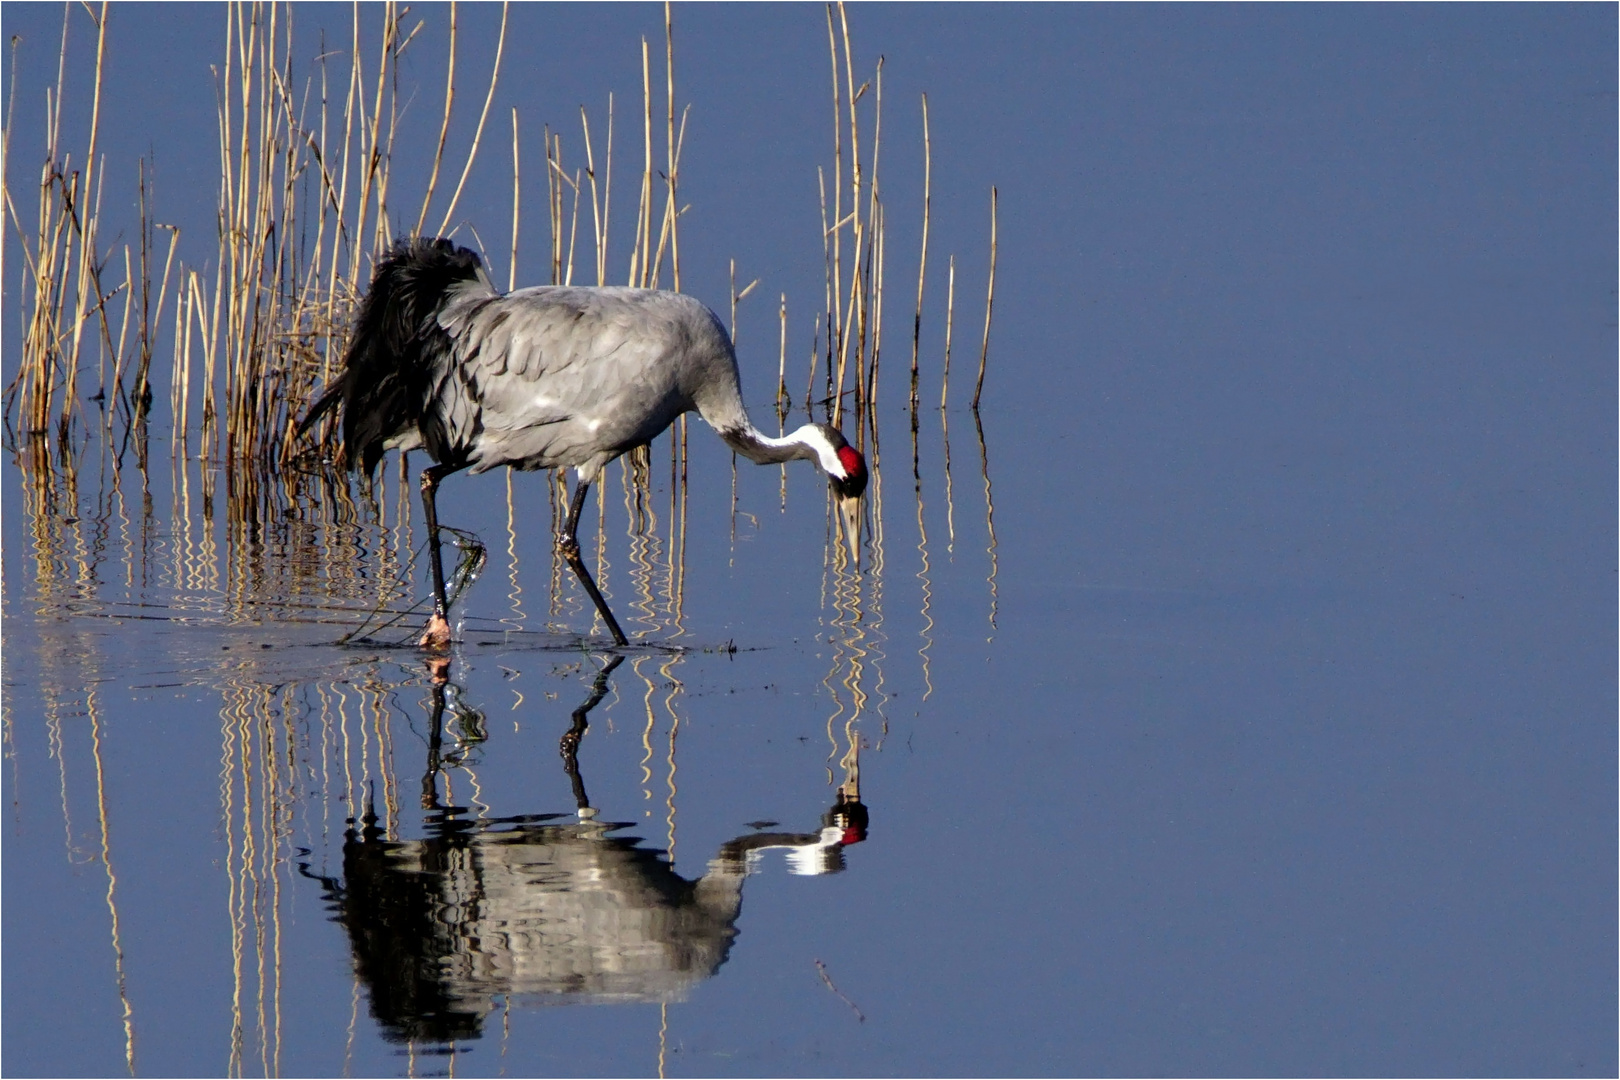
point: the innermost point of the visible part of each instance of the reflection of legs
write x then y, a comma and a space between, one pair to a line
569, 747
568, 544
430, 779
437, 634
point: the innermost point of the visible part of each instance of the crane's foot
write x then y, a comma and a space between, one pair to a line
437, 634
438, 669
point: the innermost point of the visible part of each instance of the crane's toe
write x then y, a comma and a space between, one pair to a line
437, 634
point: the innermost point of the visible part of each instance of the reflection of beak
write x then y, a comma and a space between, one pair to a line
850, 510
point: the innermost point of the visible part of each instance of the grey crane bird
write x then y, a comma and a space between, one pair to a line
552, 377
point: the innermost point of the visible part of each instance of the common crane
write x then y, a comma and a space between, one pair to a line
550, 377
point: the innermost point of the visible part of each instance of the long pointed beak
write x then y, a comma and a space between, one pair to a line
850, 511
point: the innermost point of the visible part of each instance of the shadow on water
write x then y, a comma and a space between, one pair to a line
557, 907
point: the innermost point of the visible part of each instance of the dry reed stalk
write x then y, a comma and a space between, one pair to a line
141, 394
872, 313
444, 130
573, 229
556, 179
369, 126
835, 304
599, 206
511, 263
989, 303
39, 341
65, 232
136, 404
483, 115
856, 315
922, 259
210, 320
123, 333
342, 194
667, 231
880, 245
671, 151
553, 206
853, 304
10, 207
736, 298
815, 357
87, 224
826, 257
640, 253
193, 298
175, 374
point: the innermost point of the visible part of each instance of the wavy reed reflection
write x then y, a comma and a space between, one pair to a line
927, 630
476, 906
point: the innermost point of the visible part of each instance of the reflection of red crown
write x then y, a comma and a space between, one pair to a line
853, 834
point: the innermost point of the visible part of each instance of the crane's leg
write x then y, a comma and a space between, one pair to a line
568, 544
437, 634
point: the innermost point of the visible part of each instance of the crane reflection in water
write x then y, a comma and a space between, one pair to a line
562, 908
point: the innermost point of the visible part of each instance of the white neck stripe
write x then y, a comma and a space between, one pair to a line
811, 436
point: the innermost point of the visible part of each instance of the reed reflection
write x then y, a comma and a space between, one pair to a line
558, 907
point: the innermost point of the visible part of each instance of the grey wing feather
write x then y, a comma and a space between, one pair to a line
558, 376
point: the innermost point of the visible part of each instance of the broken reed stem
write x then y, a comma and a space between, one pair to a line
989, 303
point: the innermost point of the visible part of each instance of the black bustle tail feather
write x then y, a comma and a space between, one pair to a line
387, 379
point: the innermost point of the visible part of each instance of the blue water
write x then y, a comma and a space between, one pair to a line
1240, 702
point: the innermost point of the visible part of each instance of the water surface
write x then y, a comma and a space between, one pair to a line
1234, 695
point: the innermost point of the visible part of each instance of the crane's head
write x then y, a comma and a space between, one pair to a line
846, 471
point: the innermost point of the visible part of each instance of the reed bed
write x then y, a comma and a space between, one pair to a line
307, 198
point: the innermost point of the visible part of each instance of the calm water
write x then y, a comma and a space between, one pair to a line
1235, 696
